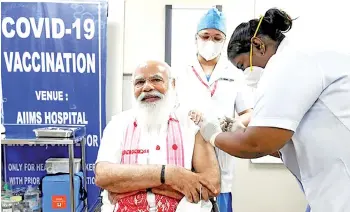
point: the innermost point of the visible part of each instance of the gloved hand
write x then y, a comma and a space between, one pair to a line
196, 116
223, 124
230, 124
235, 125
210, 129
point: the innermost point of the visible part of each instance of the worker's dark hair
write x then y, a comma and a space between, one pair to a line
275, 22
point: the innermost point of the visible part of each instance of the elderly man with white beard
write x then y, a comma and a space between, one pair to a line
153, 155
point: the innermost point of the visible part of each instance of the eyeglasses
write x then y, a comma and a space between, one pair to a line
215, 38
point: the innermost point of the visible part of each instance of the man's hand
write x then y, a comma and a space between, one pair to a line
195, 116
187, 182
205, 194
166, 190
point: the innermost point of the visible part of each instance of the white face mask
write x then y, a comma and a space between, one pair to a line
252, 77
209, 49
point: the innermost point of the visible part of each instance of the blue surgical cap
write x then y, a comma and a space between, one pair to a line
213, 19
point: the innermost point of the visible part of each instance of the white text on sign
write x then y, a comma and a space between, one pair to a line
25, 167
36, 180
55, 28
49, 95
65, 118
24, 180
31, 167
55, 62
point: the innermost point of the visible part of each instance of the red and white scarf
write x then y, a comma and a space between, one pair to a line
130, 152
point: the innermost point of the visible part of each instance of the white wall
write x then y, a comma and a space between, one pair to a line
257, 188
115, 58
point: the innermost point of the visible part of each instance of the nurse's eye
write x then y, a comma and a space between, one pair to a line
240, 66
218, 39
204, 37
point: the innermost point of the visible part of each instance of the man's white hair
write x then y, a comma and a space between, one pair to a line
146, 62
171, 74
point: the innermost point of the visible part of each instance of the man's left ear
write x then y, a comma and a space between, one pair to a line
259, 45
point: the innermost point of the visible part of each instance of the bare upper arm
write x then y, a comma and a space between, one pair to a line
204, 157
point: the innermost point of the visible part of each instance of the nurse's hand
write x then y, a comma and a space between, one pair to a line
223, 124
228, 124
210, 129
196, 116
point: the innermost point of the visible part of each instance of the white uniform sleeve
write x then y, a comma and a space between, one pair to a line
291, 85
110, 146
245, 98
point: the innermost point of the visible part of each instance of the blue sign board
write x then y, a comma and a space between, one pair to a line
53, 72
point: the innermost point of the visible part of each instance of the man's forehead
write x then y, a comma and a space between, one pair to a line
152, 69
143, 76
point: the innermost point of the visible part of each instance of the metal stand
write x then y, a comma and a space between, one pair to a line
65, 141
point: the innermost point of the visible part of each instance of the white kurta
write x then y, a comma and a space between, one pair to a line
230, 95
113, 137
309, 93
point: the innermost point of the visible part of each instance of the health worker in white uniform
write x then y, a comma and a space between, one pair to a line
252, 77
303, 103
212, 85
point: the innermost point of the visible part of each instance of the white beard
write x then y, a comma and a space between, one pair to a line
154, 116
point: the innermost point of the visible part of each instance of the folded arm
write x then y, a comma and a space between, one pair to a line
121, 178
205, 164
164, 190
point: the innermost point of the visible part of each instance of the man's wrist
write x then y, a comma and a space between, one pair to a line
167, 174
212, 139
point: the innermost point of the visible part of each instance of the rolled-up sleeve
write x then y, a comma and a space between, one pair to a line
290, 87
110, 145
